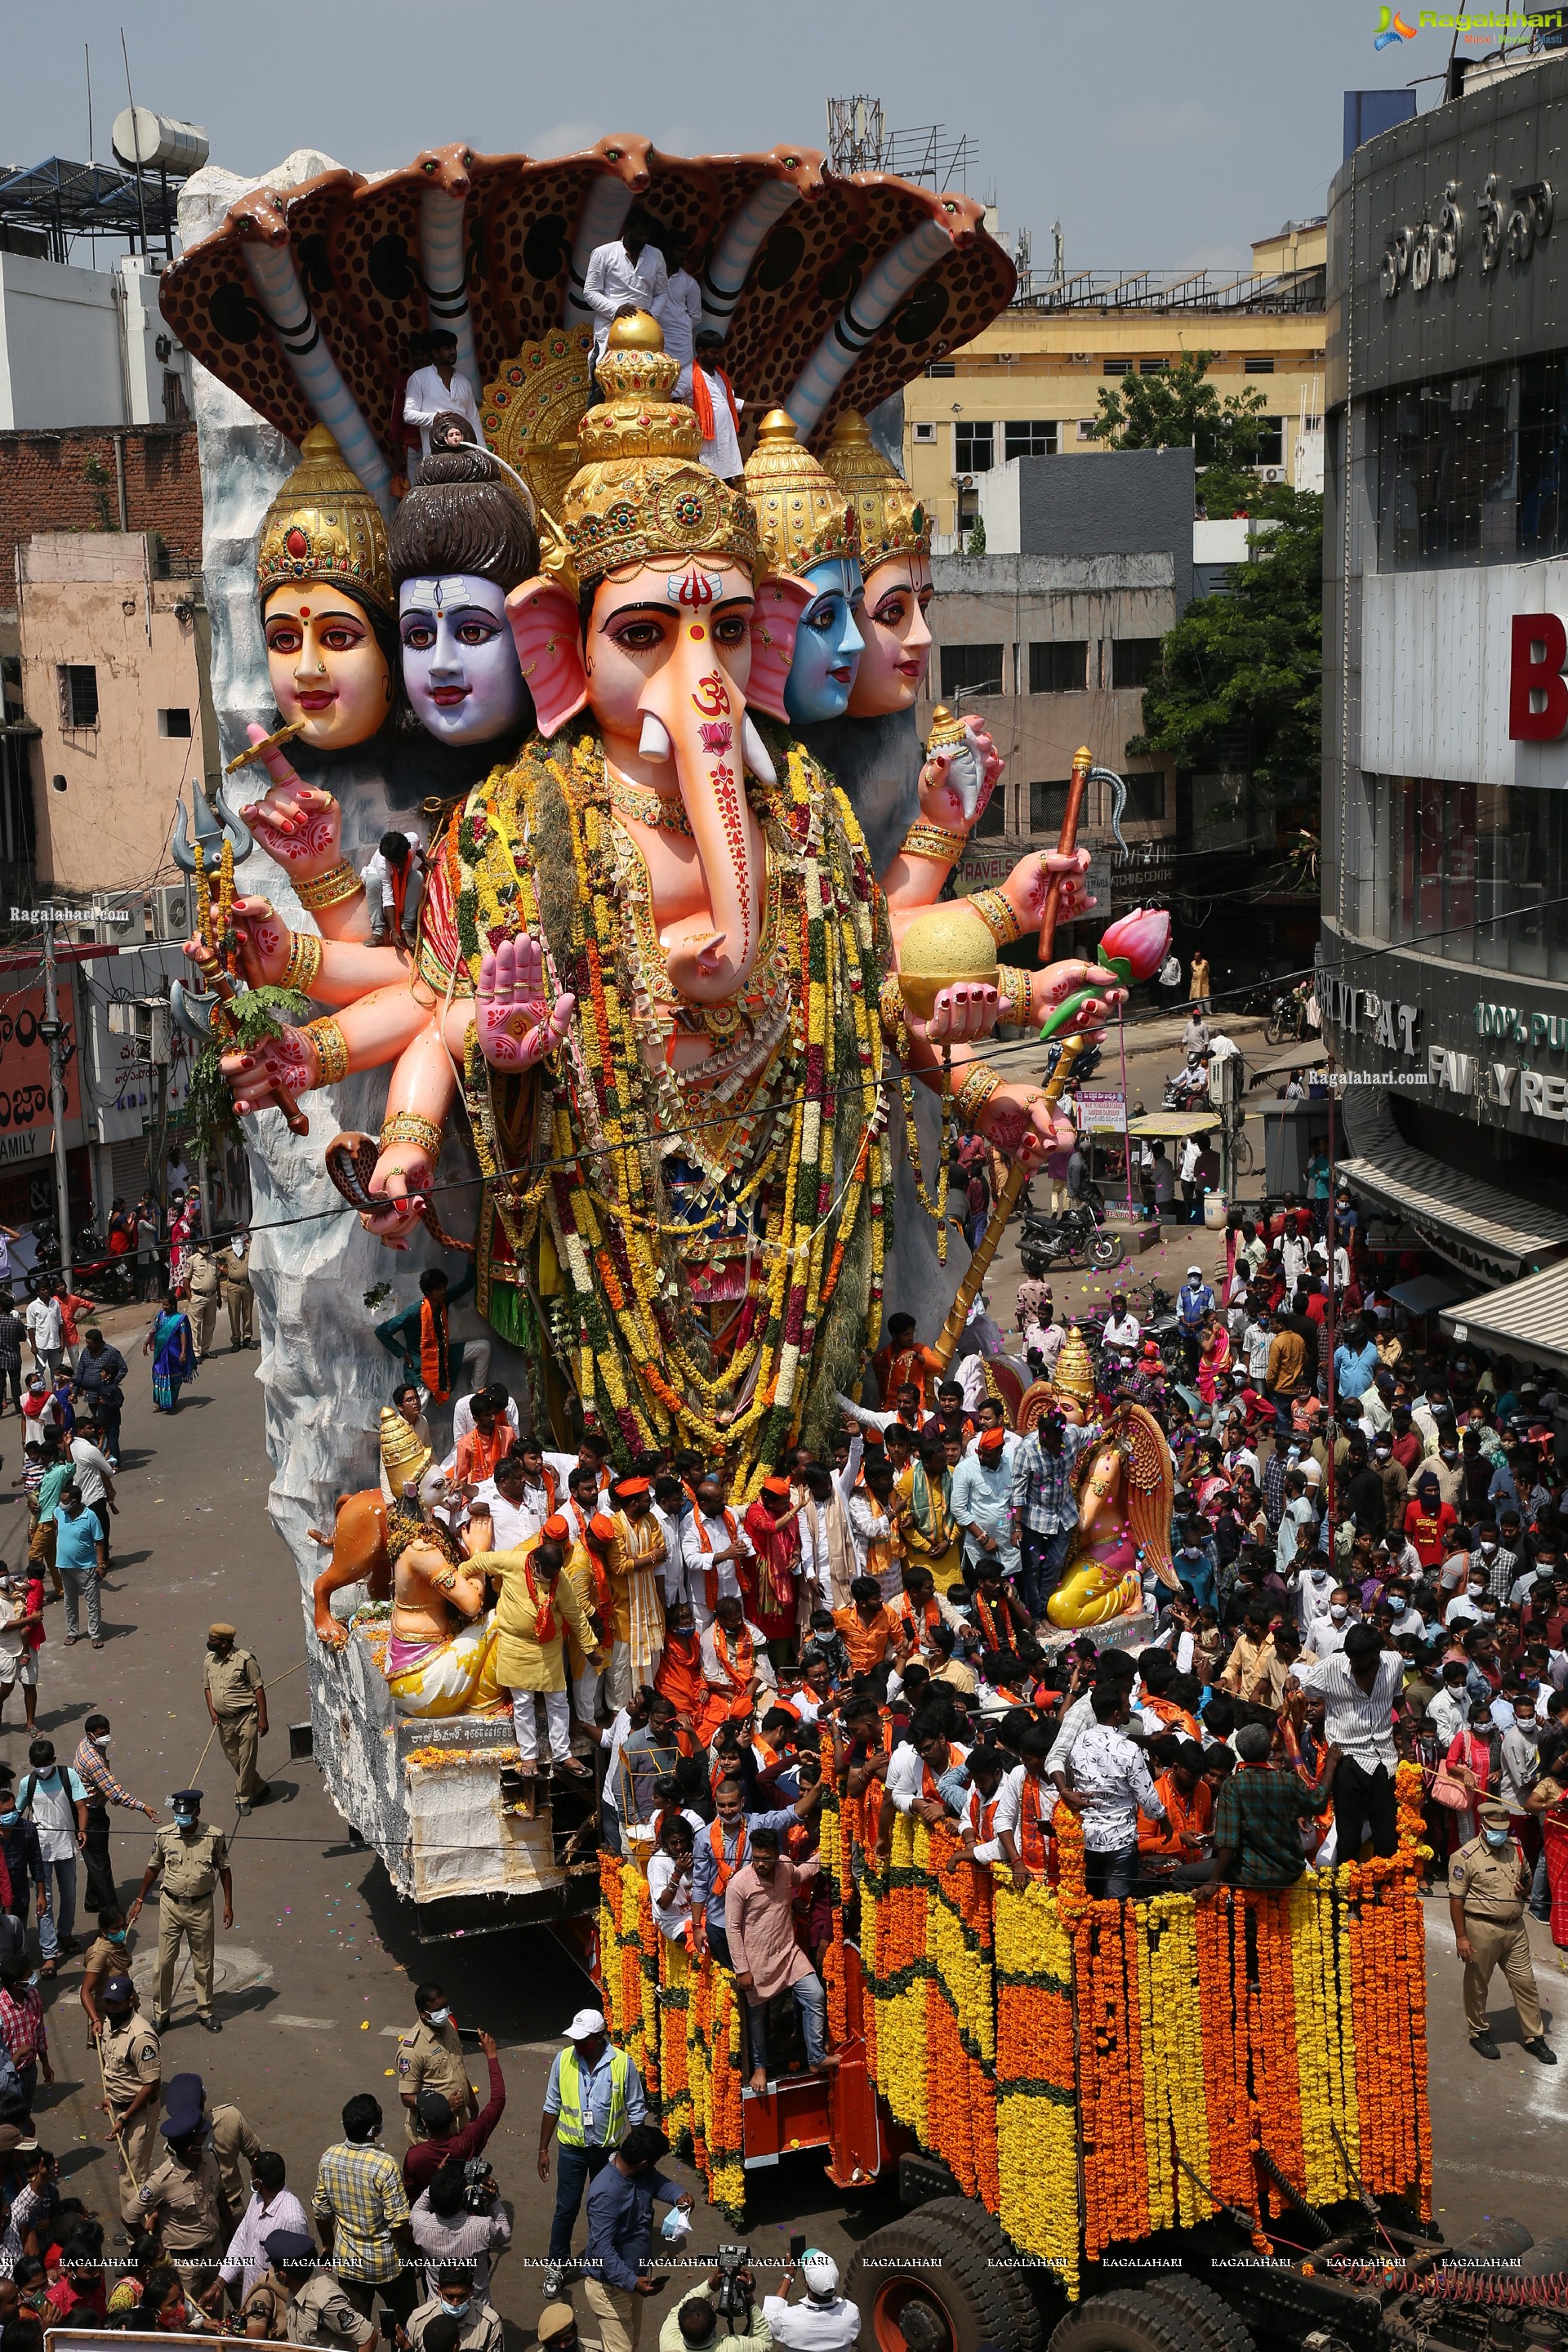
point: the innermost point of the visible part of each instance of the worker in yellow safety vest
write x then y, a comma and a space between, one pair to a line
594, 2096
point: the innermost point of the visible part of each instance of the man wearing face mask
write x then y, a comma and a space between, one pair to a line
191, 1861
183, 2197
236, 1705
455, 2319
90, 1765
1489, 1880
431, 2059
132, 2079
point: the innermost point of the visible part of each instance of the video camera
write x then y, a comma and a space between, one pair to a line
734, 2298
479, 2185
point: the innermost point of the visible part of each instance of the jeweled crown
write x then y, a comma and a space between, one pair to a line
640, 492
890, 520
405, 1456
803, 516
323, 525
1075, 1367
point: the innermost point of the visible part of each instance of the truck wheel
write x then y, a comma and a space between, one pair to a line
982, 2230
923, 2286
1206, 2314
1125, 2322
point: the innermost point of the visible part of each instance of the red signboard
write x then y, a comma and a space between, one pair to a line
1537, 692
25, 1064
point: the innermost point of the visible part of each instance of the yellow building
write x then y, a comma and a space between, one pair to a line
1029, 385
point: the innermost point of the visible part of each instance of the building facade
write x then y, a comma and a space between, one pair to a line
1028, 385
1444, 956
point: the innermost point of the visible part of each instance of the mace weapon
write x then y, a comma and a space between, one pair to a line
203, 1014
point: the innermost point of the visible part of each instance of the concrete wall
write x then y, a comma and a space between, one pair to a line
1139, 502
81, 346
91, 597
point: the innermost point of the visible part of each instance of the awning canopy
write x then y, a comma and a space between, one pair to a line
1489, 1233
1175, 1122
1426, 1293
1527, 1318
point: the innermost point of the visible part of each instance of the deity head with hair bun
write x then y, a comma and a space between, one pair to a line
462, 539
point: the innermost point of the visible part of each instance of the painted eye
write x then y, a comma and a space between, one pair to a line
639, 636
418, 636
341, 637
891, 613
284, 638
478, 633
730, 630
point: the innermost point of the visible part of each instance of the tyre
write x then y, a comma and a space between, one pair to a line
1104, 1252
1207, 2314
925, 2284
982, 2230
1125, 2322
1274, 1029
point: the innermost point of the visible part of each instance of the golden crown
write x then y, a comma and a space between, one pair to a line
1075, 1367
323, 525
889, 517
802, 515
403, 1456
640, 492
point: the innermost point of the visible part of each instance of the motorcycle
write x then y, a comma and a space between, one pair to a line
1189, 1088
1288, 1017
1073, 1239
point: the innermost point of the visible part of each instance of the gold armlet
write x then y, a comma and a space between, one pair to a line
891, 1009
975, 1093
329, 889
407, 1126
998, 916
331, 1049
925, 840
304, 962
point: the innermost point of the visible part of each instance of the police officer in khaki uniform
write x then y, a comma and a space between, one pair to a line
132, 2079
108, 1956
234, 1276
1489, 1880
182, 2199
318, 2311
237, 1702
191, 1861
199, 1275
233, 2138
431, 2059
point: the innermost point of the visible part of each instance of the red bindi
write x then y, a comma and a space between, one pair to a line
697, 631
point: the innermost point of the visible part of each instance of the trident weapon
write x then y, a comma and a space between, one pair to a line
200, 1013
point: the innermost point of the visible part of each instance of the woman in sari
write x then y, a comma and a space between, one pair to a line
170, 1345
1548, 1799
1470, 1761
1213, 1356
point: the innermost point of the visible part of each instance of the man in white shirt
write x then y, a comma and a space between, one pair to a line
94, 1479
1122, 1331
271, 2207
517, 1510
681, 313
440, 389
390, 874
721, 449
46, 1334
463, 1422
1448, 1711
627, 274
1315, 1589
712, 1542
1359, 1687
1108, 1783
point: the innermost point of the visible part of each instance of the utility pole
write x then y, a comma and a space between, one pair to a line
52, 1030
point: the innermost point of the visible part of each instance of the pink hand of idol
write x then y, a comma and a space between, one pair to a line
1020, 1123
405, 1175
960, 1016
253, 1073
298, 825
264, 941
519, 1016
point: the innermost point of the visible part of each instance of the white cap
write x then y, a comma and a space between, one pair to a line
584, 2025
1194, 1269
820, 2272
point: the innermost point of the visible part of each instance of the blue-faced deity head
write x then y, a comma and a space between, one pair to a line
828, 645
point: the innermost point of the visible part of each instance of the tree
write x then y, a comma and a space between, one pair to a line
1251, 660
977, 537
1178, 409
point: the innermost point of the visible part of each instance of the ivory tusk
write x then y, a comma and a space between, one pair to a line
654, 743
755, 751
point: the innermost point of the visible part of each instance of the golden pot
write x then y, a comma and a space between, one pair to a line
947, 947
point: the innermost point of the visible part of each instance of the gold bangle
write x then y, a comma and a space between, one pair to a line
975, 1093
891, 1008
332, 1050
996, 913
328, 889
408, 1127
304, 962
923, 840
1013, 987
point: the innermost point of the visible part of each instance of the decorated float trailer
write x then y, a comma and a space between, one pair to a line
1178, 2124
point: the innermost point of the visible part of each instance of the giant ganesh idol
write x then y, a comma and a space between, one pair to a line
654, 975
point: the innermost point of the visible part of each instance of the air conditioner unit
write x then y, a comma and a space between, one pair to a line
149, 1024
964, 481
172, 919
1274, 473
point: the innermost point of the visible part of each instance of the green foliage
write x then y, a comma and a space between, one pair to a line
977, 537
1179, 409
98, 478
256, 1014
1250, 663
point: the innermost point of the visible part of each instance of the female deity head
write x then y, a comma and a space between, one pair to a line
805, 527
460, 540
894, 532
327, 606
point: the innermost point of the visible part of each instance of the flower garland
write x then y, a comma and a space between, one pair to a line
1037, 2200
675, 1973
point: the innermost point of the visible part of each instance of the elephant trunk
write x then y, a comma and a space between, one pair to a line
702, 713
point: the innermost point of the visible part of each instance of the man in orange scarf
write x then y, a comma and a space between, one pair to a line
491, 1437
679, 1674
715, 407
734, 1667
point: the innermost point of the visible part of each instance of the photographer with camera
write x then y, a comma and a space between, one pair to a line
823, 2322
718, 2310
460, 2220
444, 2142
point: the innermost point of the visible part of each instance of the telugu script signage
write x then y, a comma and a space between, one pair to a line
24, 1066
1428, 252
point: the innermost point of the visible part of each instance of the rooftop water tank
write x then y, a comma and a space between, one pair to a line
158, 142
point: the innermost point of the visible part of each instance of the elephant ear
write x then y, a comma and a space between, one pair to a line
775, 617
549, 639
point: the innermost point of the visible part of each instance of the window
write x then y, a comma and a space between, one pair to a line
79, 694
1031, 438
1048, 806
1146, 798
925, 432
1271, 441
1059, 669
993, 817
971, 447
1117, 367
942, 367
1088, 430
971, 669
1470, 467
1134, 660
1257, 366
1153, 367
1457, 869
175, 411
176, 723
